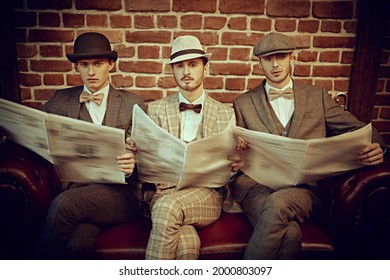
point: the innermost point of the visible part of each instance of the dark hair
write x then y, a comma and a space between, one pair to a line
205, 60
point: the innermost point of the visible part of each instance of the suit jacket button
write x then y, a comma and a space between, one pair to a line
284, 133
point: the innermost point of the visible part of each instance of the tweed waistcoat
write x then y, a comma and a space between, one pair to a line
84, 114
282, 130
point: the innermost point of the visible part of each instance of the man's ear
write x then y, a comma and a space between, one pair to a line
261, 65
112, 64
75, 67
292, 57
206, 68
292, 64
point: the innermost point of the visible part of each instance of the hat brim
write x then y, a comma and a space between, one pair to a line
76, 57
189, 56
274, 52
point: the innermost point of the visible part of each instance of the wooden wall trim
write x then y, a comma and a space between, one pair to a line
366, 61
9, 70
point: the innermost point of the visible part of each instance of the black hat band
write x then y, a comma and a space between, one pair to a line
189, 51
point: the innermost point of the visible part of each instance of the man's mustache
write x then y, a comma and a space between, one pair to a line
187, 78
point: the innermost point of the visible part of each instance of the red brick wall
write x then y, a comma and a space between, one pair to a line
142, 33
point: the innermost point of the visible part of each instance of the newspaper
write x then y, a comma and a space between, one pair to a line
277, 161
80, 151
25, 126
163, 158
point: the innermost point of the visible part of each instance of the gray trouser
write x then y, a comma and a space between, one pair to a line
275, 216
77, 215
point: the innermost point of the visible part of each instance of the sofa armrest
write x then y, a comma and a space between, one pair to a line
28, 183
358, 208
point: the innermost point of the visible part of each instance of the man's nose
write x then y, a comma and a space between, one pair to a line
274, 62
91, 70
186, 70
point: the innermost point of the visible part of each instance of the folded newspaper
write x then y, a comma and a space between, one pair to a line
80, 151
163, 158
276, 161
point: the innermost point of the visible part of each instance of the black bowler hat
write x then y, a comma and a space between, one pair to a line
90, 45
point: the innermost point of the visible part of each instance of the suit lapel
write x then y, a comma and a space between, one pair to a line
113, 108
74, 104
173, 115
300, 105
259, 99
210, 116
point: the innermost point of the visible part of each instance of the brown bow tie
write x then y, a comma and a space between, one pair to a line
274, 94
196, 108
86, 97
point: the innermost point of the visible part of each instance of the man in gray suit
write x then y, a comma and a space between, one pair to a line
77, 215
284, 107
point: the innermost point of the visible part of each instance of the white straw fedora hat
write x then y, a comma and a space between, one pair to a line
186, 47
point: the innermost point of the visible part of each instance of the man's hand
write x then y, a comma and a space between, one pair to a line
130, 145
126, 163
371, 155
238, 158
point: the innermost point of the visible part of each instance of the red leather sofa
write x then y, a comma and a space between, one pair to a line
354, 222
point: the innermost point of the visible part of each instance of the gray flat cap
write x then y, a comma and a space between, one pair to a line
273, 43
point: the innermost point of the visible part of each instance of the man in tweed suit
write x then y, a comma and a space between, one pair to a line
284, 107
177, 214
77, 215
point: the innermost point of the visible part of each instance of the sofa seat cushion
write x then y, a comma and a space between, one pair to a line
316, 244
224, 239
126, 241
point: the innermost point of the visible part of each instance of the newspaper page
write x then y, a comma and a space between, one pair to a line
335, 154
163, 158
25, 126
85, 152
80, 151
278, 162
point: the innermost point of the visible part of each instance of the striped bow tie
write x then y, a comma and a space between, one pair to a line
86, 97
196, 108
274, 94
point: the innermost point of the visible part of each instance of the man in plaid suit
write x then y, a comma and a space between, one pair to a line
77, 214
189, 115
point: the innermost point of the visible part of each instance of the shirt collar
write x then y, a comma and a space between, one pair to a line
200, 100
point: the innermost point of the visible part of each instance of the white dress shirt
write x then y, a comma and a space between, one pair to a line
96, 111
190, 120
283, 107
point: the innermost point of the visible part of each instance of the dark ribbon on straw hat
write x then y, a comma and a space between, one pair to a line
188, 51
